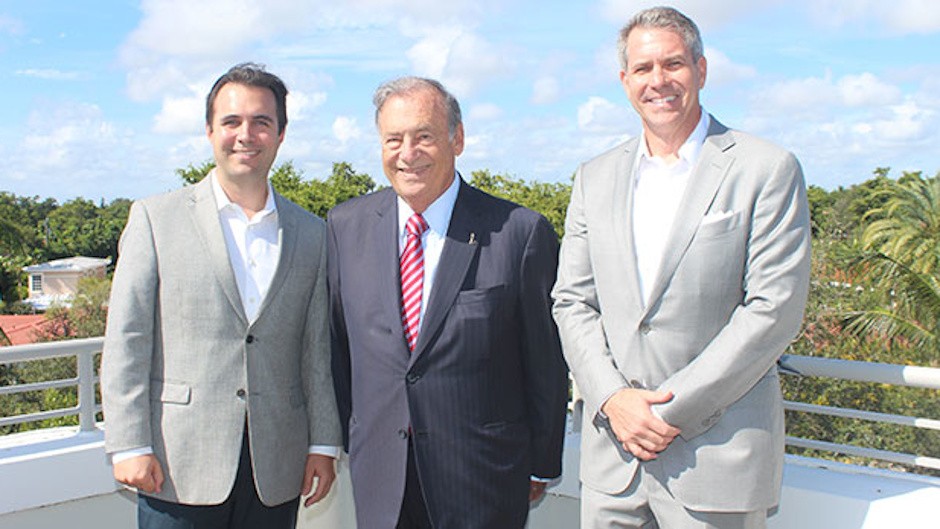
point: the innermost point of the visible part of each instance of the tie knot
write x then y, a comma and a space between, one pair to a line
416, 225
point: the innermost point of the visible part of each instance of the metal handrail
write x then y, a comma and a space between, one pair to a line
85, 350
872, 372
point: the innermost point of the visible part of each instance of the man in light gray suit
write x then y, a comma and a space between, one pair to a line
216, 381
683, 275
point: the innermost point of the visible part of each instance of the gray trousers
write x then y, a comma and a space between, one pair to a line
647, 504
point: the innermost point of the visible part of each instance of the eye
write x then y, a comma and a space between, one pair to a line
425, 138
392, 142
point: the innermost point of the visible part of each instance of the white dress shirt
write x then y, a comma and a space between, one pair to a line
658, 190
254, 249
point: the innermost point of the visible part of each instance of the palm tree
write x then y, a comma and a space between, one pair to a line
912, 308
908, 225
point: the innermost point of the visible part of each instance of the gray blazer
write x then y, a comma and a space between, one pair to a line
183, 369
728, 300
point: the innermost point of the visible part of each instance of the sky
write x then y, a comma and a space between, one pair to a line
105, 99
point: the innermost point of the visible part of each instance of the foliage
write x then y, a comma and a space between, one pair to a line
907, 228
551, 200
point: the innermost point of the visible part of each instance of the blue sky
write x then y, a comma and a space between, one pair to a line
104, 99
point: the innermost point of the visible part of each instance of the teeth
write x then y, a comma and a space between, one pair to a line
662, 100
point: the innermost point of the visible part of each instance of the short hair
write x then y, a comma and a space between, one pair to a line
409, 84
662, 18
251, 74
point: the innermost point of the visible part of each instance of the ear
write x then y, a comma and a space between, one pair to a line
623, 81
458, 140
702, 71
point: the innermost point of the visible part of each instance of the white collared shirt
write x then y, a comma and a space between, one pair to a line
657, 193
253, 246
432, 240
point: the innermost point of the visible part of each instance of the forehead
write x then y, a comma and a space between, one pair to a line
648, 43
236, 98
421, 108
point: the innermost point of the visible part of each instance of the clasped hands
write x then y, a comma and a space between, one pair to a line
146, 475
639, 431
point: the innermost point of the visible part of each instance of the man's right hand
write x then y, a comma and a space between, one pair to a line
142, 472
639, 431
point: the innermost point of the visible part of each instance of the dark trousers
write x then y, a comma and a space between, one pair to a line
241, 510
414, 511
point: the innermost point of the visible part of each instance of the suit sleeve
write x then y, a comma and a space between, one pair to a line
776, 284
545, 369
317, 379
577, 311
129, 337
342, 381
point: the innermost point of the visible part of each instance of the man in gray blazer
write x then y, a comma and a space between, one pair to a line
683, 275
216, 383
457, 424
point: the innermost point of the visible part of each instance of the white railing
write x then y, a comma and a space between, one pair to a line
908, 376
85, 350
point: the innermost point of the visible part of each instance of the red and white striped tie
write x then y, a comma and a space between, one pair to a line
412, 278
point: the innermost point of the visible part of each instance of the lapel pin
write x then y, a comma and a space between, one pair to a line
473, 238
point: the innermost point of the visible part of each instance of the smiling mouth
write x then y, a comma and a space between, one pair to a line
662, 100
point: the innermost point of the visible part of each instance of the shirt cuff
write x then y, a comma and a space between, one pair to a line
324, 450
124, 455
541, 480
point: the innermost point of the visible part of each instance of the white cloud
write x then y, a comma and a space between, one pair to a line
484, 112
474, 62
301, 104
908, 124
181, 115
900, 16
706, 13
814, 95
723, 71
545, 90
599, 116
867, 90
345, 129
48, 74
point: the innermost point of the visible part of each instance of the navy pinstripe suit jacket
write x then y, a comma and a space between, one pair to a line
483, 393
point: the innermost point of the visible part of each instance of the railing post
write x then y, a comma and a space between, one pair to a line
86, 392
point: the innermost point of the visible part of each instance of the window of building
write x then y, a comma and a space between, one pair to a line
36, 280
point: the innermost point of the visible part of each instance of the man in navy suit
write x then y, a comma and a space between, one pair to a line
453, 414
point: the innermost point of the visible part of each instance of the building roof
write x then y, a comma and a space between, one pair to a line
21, 329
69, 264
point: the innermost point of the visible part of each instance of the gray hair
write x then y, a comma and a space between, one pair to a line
661, 18
410, 84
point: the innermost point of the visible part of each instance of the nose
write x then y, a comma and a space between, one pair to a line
409, 150
657, 76
244, 132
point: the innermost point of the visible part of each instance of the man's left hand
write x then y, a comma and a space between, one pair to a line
536, 489
323, 468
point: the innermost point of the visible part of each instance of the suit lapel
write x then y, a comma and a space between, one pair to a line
387, 268
287, 242
622, 209
205, 216
455, 259
706, 178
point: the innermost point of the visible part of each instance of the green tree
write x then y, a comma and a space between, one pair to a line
907, 228
192, 174
549, 199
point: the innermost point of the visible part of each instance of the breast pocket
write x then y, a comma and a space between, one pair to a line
481, 295
714, 226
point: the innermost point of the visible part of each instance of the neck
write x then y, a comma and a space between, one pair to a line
249, 194
665, 143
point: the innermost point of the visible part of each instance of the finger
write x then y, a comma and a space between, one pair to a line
308, 482
157, 476
639, 452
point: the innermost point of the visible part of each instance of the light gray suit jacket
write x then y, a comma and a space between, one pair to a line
183, 369
728, 300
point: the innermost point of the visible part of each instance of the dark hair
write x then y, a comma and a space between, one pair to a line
662, 18
251, 74
404, 85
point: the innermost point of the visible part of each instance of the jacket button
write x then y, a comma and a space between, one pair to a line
250, 338
240, 393
403, 433
645, 328
412, 378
